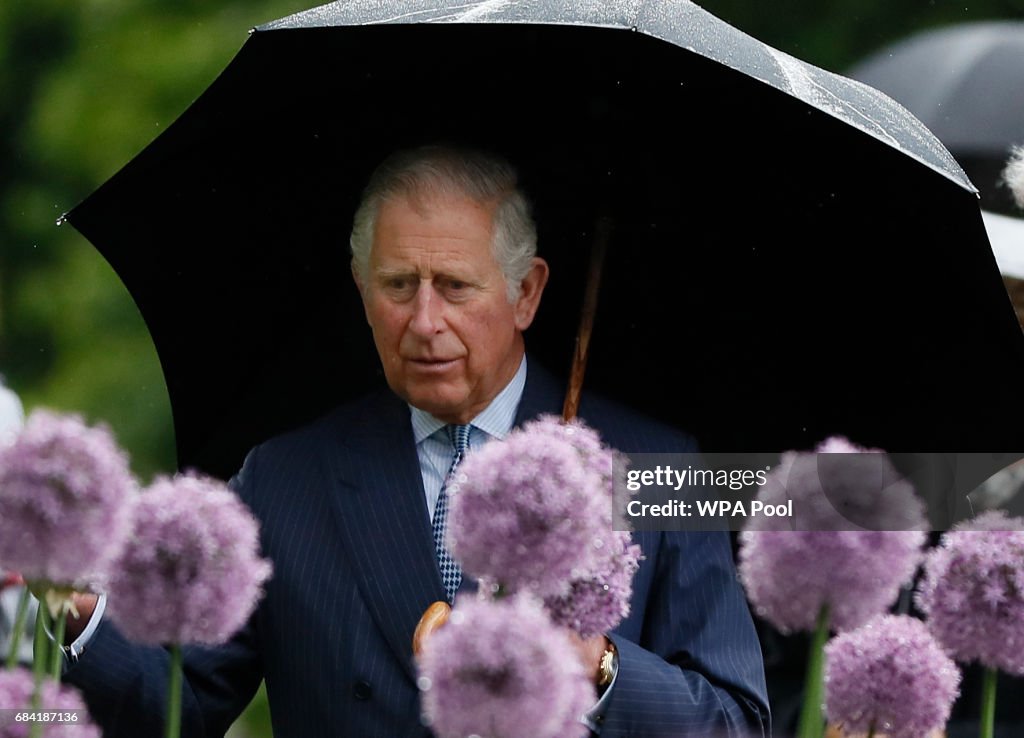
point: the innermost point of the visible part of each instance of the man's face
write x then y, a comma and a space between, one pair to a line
436, 300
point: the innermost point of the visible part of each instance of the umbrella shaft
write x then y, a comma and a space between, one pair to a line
602, 235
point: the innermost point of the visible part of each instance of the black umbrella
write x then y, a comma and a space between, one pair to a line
763, 282
966, 83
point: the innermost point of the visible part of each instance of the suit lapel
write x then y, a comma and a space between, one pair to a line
542, 393
381, 510
380, 507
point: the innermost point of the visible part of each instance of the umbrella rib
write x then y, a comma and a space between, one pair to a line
415, 13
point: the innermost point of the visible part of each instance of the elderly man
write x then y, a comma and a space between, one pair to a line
444, 255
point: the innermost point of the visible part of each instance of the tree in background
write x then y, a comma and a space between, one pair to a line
85, 86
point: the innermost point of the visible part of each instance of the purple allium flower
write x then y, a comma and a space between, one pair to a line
890, 674
501, 669
191, 571
16, 694
593, 453
973, 591
598, 602
533, 511
790, 574
840, 486
65, 490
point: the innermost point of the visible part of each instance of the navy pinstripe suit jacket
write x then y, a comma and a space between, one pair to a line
345, 522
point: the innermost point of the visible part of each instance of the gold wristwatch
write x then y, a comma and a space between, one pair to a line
606, 669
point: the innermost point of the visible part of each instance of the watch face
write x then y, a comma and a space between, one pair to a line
607, 668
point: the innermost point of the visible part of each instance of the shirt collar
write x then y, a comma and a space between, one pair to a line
496, 420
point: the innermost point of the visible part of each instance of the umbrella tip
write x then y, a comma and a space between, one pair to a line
62, 219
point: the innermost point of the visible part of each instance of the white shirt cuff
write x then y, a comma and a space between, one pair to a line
78, 646
73, 652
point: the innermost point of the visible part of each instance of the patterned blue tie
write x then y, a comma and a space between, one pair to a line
451, 575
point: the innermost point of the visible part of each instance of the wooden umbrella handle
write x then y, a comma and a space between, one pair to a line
435, 617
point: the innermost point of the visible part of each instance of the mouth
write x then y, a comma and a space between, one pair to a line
432, 364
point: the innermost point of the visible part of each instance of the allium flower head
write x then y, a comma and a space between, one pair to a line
500, 669
595, 456
973, 591
892, 675
190, 572
598, 601
65, 490
840, 486
532, 511
16, 694
790, 574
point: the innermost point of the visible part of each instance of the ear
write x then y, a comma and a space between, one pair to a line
355, 276
530, 291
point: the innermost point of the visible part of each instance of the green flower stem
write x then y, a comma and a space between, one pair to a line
988, 703
871, 731
174, 695
19, 628
812, 724
40, 644
56, 650
40, 654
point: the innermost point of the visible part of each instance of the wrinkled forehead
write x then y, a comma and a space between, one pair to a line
452, 212
435, 221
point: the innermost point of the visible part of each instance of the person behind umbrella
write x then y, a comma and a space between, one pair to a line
444, 255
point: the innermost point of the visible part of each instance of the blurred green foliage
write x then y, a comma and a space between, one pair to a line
85, 85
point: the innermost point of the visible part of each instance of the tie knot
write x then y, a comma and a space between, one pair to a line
459, 436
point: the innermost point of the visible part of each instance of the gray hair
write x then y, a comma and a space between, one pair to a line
441, 170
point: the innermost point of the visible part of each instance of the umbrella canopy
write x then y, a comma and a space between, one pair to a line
964, 82
763, 285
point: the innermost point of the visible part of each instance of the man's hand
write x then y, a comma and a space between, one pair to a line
85, 603
590, 651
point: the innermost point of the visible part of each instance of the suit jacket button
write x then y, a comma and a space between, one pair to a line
362, 691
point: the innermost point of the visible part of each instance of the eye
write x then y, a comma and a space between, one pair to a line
399, 286
455, 289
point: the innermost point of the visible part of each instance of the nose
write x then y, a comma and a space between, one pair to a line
428, 311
